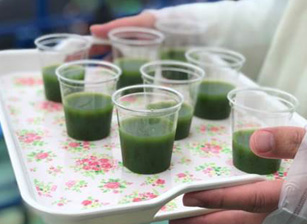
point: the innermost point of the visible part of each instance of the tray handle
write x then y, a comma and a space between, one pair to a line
202, 186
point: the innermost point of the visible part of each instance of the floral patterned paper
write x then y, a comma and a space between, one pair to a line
67, 174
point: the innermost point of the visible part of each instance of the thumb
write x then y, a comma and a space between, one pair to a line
277, 142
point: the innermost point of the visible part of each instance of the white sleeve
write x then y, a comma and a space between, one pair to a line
246, 26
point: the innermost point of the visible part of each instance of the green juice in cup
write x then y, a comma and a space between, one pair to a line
146, 144
88, 115
244, 158
51, 83
130, 71
212, 102
173, 54
184, 120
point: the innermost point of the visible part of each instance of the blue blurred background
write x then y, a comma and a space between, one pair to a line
21, 21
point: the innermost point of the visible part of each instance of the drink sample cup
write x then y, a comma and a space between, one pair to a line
222, 68
147, 134
180, 35
183, 77
87, 103
56, 49
131, 48
252, 109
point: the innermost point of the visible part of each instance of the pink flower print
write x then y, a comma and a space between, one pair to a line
129, 99
151, 195
28, 81
86, 202
93, 157
181, 175
136, 199
202, 128
214, 129
73, 144
94, 165
50, 106
211, 148
112, 185
86, 145
42, 155
53, 188
70, 183
30, 137
60, 204
160, 182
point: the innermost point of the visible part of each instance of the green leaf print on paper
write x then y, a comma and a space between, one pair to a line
137, 196
212, 130
212, 169
61, 202
154, 181
91, 202
76, 185
44, 189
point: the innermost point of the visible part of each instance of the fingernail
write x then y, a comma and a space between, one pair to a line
191, 201
264, 141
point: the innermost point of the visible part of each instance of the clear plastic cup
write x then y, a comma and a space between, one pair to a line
86, 88
252, 109
131, 48
222, 68
147, 134
181, 76
56, 49
180, 35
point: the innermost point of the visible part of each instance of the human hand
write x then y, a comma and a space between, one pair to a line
101, 31
251, 203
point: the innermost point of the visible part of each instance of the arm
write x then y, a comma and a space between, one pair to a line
246, 26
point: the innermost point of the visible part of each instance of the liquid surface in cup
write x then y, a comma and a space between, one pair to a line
88, 115
146, 144
130, 71
184, 121
52, 85
212, 102
244, 159
173, 54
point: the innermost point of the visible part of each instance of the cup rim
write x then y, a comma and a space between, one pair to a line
160, 24
117, 72
237, 64
112, 35
157, 111
294, 104
200, 72
41, 46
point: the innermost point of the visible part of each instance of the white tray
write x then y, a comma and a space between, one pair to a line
54, 180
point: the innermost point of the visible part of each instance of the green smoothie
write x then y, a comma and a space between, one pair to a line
173, 54
184, 118
146, 144
130, 71
52, 85
88, 115
244, 159
212, 102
